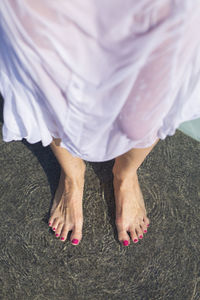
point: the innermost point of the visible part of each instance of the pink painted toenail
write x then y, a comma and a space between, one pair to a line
125, 243
135, 240
49, 224
141, 236
145, 231
54, 229
57, 234
75, 241
147, 225
62, 238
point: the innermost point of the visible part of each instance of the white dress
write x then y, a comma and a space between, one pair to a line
104, 76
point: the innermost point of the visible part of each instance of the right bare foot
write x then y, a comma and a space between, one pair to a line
67, 212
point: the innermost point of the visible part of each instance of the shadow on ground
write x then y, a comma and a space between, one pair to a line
164, 265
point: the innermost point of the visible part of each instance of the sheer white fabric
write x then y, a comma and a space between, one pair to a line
104, 76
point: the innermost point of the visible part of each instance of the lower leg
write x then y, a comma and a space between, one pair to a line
72, 166
130, 208
66, 212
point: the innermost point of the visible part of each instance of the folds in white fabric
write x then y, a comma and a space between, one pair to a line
104, 76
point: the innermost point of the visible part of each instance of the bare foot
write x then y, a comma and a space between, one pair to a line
66, 212
130, 210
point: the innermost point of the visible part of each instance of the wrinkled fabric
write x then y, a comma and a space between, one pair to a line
103, 76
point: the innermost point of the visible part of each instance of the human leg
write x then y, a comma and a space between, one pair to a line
130, 207
66, 212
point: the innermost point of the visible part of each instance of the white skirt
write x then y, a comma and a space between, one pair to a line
103, 76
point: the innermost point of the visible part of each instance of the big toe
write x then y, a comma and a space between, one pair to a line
76, 235
123, 236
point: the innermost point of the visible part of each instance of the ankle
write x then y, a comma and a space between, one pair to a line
125, 182
74, 178
122, 174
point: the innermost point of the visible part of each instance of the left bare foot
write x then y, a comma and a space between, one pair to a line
130, 210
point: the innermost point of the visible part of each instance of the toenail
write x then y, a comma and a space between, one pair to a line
135, 240
74, 241
49, 224
54, 229
141, 236
125, 243
145, 231
57, 234
147, 225
62, 238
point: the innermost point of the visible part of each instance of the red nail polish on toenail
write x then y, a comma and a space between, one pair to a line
125, 243
145, 231
49, 224
135, 240
54, 229
57, 234
74, 241
141, 236
62, 238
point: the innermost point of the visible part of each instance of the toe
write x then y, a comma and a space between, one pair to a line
143, 227
58, 229
139, 232
55, 224
76, 235
134, 236
123, 236
51, 220
146, 221
64, 233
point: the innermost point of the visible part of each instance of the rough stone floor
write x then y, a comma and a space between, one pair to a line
35, 265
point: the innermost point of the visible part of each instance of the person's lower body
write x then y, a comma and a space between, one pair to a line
67, 213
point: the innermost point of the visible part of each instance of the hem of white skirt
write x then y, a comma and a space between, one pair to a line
10, 135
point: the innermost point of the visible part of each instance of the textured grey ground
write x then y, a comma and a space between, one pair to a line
164, 265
